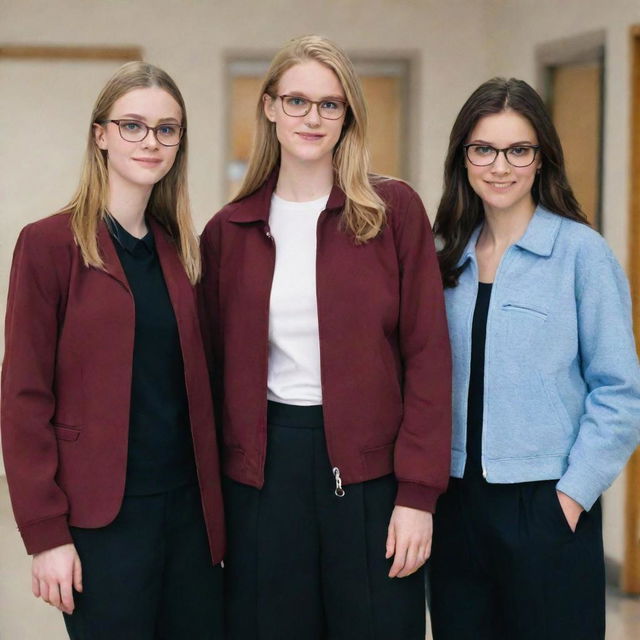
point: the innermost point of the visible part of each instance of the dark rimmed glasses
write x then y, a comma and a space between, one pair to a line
167, 134
297, 107
482, 155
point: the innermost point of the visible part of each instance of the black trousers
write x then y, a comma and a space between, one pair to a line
505, 564
148, 575
304, 564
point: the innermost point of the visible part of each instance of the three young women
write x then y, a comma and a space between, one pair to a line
546, 385
107, 421
331, 369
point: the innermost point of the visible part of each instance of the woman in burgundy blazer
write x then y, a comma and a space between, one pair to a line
107, 421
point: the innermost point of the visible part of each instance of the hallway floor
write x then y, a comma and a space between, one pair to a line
22, 617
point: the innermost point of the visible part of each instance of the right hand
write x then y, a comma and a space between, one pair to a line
53, 574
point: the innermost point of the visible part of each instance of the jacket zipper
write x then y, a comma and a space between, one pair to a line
338, 491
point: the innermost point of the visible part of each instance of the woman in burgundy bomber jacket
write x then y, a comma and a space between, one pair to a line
331, 367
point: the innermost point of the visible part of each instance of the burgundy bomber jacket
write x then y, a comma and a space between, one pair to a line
384, 344
66, 384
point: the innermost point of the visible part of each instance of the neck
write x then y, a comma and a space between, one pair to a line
302, 182
503, 228
127, 204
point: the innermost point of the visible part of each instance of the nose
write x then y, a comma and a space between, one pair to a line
150, 141
500, 164
312, 119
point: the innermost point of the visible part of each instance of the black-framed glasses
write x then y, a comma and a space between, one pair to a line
482, 155
297, 107
167, 134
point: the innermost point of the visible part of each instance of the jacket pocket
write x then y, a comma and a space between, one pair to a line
65, 432
379, 460
527, 309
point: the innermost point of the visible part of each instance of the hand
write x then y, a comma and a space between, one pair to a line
570, 508
53, 573
409, 540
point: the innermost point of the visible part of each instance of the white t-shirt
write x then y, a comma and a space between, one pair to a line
294, 347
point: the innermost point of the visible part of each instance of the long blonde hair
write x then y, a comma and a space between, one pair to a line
169, 200
364, 212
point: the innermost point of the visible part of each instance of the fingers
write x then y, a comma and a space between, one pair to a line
35, 586
77, 574
67, 604
44, 590
54, 595
391, 541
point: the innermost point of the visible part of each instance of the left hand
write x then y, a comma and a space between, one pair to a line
570, 508
409, 540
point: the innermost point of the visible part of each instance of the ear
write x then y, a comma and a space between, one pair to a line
100, 136
269, 105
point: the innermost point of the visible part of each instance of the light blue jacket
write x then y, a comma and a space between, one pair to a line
561, 378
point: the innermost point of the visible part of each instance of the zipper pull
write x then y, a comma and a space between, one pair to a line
267, 232
339, 490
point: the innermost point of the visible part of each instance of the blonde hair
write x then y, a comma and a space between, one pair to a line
169, 200
364, 212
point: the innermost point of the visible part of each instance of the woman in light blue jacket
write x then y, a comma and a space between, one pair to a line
546, 400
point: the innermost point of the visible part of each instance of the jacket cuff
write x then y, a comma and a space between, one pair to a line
46, 534
417, 496
582, 485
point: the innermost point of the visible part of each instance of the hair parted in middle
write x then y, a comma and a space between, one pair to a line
364, 211
461, 210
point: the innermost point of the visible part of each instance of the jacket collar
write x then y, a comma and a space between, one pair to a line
255, 207
539, 237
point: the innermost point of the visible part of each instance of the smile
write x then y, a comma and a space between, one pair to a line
311, 137
151, 162
500, 186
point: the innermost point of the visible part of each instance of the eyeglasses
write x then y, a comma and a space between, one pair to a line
297, 107
482, 155
168, 135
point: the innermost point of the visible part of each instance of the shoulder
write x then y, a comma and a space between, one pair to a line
582, 241
396, 194
48, 233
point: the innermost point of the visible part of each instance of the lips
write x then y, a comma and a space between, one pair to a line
500, 186
311, 137
149, 162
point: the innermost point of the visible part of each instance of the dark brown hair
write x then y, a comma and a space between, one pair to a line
460, 209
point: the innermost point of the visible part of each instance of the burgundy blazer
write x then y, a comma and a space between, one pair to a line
384, 345
66, 385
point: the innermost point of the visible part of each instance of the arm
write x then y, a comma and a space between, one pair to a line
610, 426
423, 447
209, 310
28, 403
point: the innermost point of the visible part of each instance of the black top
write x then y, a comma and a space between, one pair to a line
475, 404
160, 454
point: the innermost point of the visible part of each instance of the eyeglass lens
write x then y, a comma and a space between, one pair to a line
483, 155
166, 134
297, 106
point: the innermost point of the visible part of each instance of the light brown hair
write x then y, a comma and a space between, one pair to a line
169, 200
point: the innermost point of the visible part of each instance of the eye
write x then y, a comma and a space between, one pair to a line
518, 152
168, 130
331, 105
296, 101
483, 150
131, 125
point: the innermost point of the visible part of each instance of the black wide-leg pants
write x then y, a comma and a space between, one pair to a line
506, 565
148, 575
304, 564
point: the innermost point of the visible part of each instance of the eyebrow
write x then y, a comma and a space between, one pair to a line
300, 94
136, 116
513, 144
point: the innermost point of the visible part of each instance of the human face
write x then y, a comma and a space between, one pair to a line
501, 186
139, 164
308, 139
